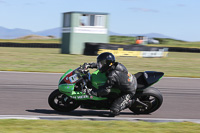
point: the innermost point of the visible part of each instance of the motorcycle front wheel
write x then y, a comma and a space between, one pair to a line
61, 102
147, 101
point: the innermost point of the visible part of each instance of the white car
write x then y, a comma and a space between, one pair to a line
153, 41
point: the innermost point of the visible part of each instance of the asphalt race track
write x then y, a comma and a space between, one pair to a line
24, 93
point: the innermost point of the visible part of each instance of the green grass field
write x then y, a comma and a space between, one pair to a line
75, 126
50, 60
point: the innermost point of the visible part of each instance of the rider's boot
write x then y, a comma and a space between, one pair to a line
120, 104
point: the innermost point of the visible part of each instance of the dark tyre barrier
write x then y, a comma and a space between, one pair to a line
178, 49
31, 45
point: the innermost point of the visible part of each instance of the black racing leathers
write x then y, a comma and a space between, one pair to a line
118, 77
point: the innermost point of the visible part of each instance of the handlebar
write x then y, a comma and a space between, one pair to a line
84, 68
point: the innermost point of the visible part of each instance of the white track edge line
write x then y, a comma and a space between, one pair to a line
32, 117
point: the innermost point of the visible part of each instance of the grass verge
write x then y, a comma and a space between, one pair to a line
31, 40
50, 60
72, 126
164, 42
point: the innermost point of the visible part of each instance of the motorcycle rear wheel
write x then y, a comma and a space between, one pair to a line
147, 102
61, 102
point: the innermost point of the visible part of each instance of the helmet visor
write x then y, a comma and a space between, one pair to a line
100, 64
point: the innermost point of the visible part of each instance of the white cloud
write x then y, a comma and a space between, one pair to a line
180, 5
2, 1
129, 0
143, 10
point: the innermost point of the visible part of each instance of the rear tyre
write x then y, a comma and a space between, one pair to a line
61, 102
147, 101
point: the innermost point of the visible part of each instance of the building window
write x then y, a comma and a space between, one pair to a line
84, 20
67, 20
99, 20
92, 20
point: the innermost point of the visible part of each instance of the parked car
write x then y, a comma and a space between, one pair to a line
153, 41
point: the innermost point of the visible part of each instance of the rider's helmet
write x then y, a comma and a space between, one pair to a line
105, 61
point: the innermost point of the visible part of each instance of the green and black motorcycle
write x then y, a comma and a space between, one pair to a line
73, 85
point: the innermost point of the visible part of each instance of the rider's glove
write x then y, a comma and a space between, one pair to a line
93, 65
90, 65
86, 65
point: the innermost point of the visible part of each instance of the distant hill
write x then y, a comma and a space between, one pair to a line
36, 37
13, 33
53, 32
6, 33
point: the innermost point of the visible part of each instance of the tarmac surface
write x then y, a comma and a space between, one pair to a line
26, 94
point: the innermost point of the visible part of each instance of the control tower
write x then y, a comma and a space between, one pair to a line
81, 27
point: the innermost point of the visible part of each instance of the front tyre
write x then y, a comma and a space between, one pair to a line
147, 101
61, 102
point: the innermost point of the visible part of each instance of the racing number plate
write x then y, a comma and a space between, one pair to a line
73, 78
70, 79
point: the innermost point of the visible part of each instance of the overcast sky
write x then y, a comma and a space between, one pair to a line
175, 18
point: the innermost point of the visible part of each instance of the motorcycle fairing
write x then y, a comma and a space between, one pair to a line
152, 76
99, 79
147, 78
67, 84
64, 75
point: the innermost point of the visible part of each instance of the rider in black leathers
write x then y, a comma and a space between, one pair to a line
118, 77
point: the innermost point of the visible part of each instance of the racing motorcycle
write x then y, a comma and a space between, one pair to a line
73, 87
